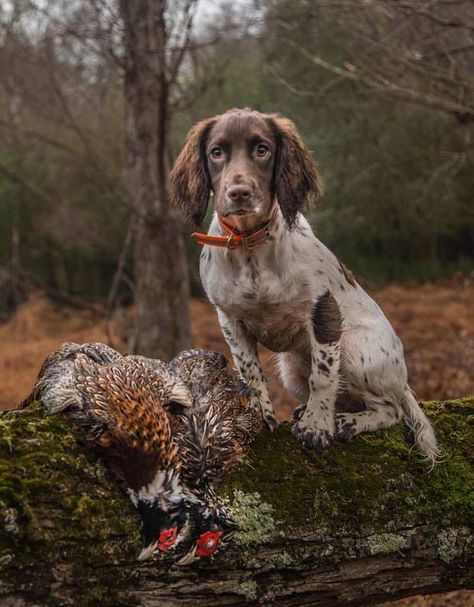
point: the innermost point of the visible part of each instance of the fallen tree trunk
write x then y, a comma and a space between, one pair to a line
362, 523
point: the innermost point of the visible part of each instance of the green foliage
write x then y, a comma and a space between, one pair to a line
66, 199
398, 178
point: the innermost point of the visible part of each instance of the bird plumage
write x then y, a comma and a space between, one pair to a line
216, 431
169, 432
57, 372
119, 402
213, 438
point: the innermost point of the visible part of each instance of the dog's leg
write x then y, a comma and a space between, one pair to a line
244, 352
375, 373
381, 413
316, 424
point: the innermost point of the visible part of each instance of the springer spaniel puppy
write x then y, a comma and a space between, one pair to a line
272, 281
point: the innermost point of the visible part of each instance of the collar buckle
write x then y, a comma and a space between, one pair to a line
256, 243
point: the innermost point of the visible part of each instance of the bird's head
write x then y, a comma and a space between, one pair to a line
162, 530
164, 511
213, 528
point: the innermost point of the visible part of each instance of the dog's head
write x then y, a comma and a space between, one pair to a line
247, 160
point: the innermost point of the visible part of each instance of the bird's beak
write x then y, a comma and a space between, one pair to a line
147, 552
189, 558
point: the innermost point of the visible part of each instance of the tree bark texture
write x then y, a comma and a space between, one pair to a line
362, 523
160, 268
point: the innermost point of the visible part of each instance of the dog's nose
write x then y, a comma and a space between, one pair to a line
239, 192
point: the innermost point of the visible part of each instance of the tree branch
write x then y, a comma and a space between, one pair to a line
362, 523
26, 185
380, 84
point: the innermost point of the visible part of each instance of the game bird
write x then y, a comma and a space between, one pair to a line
213, 437
120, 402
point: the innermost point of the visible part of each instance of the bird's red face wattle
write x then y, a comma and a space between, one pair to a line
167, 538
207, 543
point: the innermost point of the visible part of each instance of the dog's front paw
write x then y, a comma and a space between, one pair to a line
298, 412
312, 435
266, 409
346, 427
270, 420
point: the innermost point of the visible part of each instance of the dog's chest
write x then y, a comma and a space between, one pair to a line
280, 327
273, 306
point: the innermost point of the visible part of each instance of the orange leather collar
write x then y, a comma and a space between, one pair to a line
234, 238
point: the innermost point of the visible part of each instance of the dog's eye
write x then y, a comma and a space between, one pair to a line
216, 152
262, 150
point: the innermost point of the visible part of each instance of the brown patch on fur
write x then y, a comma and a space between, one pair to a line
296, 178
349, 276
327, 319
190, 185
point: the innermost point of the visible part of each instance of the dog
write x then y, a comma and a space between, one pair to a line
273, 282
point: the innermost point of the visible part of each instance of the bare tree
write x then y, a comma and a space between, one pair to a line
57, 55
151, 68
420, 52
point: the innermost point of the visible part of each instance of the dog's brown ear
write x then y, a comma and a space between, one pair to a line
190, 185
296, 179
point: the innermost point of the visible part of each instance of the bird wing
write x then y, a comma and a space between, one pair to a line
126, 398
215, 434
198, 369
58, 371
174, 389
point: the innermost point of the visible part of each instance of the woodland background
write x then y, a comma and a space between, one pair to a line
96, 97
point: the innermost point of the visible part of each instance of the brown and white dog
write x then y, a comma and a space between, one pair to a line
272, 281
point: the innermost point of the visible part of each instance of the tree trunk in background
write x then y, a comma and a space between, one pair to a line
160, 268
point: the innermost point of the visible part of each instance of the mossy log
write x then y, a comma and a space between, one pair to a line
362, 523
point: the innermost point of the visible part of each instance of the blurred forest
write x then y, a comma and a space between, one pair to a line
382, 92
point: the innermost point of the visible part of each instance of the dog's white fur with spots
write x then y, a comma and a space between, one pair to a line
336, 349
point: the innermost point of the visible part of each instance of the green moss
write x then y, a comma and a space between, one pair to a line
454, 542
283, 559
352, 485
61, 513
58, 502
48, 457
5, 435
9, 520
5, 559
278, 560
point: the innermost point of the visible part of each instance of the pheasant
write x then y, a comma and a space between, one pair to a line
213, 437
120, 404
